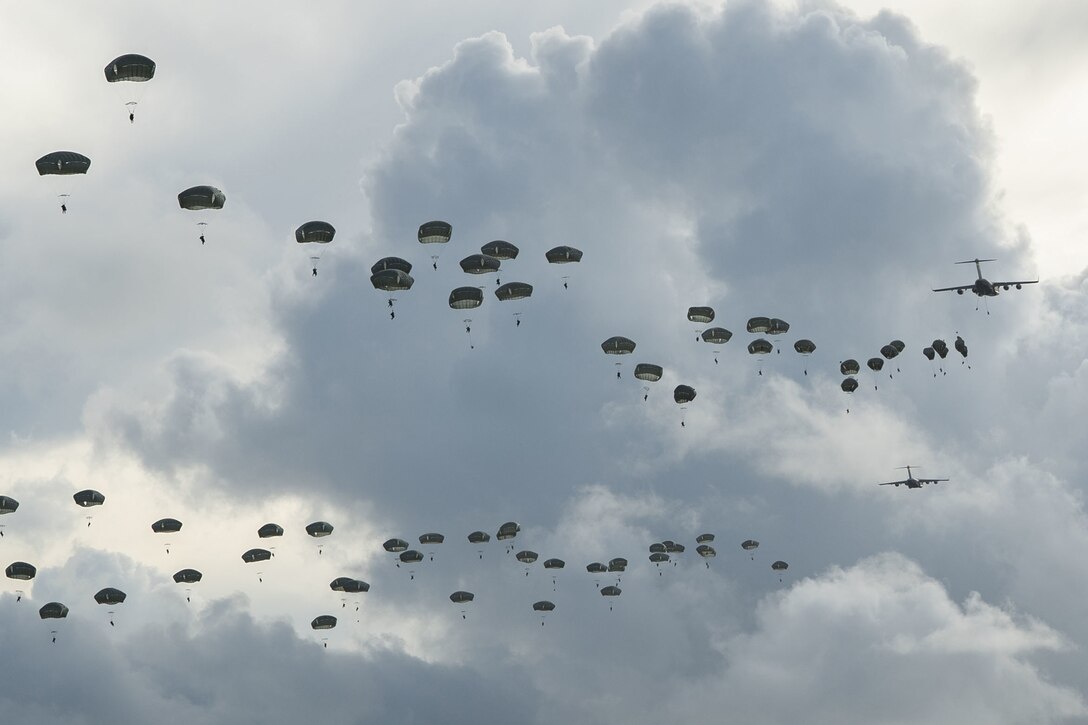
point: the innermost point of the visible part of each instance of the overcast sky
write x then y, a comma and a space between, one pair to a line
820, 162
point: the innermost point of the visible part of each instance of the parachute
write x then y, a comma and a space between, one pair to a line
89, 497
166, 526
889, 352
201, 198
716, 336
611, 591
269, 531
255, 555
702, 315
187, 576
387, 263
500, 250
961, 346
130, 71
554, 564
53, 610
436, 232
543, 606
849, 385
462, 597
704, 538
319, 529
875, 364
479, 537
940, 347
391, 279
323, 622
110, 596
315, 232
466, 298
527, 558
778, 327
619, 564
596, 568
779, 566
20, 571
928, 352
62, 163
430, 539
411, 557
479, 264
8, 505
618, 345
849, 367
395, 546
758, 325
707, 552
650, 373
683, 394
508, 531
805, 347
760, 346
563, 255
513, 291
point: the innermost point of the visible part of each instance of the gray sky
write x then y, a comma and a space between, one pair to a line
812, 161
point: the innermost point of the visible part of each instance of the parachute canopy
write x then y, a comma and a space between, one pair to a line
466, 298
618, 345
462, 597
166, 526
110, 595
526, 557
749, 544
849, 385
395, 546
411, 556
479, 537
889, 352
780, 566
269, 531
255, 555
805, 347
659, 557
961, 346
508, 531
8, 505
778, 327
543, 606
597, 568
324, 621
62, 163
89, 497
704, 538
702, 315
197, 198
391, 263
849, 367
760, 347
500, 250
683, 394
348, 585
940, 347
431, 538
130, 67
648, 372
392, 280
617, 564
928, 352
706, 551
20, 570
554, 563
436, 232
716, 335
899, 345
188, 576
514, 291
315, 233
479, 264
563, 255
759, 325
319, 528
875, 364
611, 591
53, 610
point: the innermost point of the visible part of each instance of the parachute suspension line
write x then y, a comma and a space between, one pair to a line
618, 374
313, 265
392, 312
468, 331
564, 287
202, 225
683, 408
645, 392
434, 261
63, 202
517, 319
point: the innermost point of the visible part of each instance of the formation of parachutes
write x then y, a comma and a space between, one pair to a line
607, 576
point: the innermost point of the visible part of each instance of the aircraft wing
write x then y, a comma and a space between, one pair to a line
930, 480
959, 287
892, 483
1011, 284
